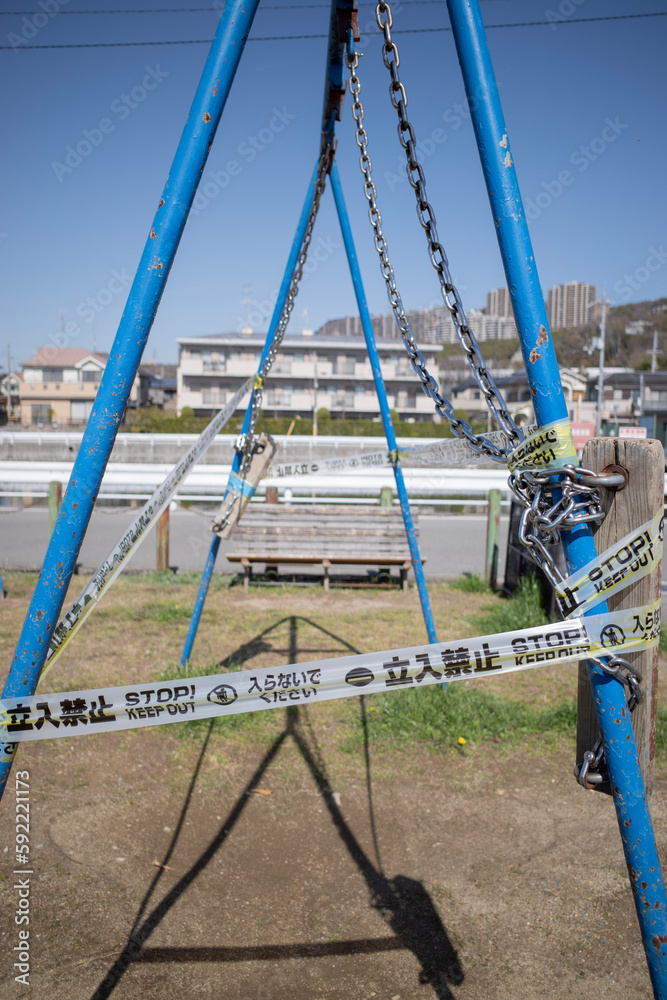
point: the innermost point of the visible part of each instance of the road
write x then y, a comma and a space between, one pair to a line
452, 544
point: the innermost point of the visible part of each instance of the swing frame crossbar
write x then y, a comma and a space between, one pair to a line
544, 378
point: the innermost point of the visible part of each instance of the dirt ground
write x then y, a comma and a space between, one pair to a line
270, 862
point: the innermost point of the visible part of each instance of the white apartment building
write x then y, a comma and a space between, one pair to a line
429, 326
571, 305
499, 303
310, 373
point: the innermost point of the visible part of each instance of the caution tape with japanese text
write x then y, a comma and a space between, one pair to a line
73, 713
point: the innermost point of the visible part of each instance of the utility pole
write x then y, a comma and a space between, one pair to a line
603, 303
654, 351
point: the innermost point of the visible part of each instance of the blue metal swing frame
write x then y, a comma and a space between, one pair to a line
518, 260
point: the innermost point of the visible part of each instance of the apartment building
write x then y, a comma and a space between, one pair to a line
429, 326
571, 305
310, 373
499, 303
58, 386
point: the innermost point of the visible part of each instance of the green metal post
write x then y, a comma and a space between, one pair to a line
492, 539
55, 500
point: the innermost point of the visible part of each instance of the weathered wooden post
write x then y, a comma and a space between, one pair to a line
627, 508
55, 500
492, 539
271, 495
163, 541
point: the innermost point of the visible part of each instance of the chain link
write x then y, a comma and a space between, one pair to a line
437, 255
461, 428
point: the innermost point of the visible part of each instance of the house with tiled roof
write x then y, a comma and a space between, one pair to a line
59, 386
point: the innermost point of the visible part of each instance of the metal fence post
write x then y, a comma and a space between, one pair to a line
497, 161
55, 500
492, 539
381, 391
120, 371
162, 541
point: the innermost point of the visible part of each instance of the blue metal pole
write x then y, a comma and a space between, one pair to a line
382, 399
136, 321
236, 464
634, 819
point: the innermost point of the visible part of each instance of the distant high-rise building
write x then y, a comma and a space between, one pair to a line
567, 305
429, 326
498, 303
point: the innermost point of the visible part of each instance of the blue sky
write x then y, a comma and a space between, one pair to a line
587, 99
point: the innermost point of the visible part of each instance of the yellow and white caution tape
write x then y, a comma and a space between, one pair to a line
549, 447
445, 452
75, 713
131, 539
636, 555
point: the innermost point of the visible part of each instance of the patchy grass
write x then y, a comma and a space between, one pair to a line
663, 640
471, 583
443, 717
523, 610
137, 636
254, 726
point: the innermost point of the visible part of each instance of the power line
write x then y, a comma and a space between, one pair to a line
289, 38
210, 10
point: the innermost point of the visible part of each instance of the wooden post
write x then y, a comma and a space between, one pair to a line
271, 495
626, 509
55, 500
163, 541
492, 539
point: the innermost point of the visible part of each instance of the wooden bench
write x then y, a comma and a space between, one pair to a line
276, 534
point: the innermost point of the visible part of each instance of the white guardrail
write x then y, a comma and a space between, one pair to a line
207, 482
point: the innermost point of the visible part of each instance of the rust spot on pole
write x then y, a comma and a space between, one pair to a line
207, 117
542, 338
153, 234
658, 942
214, 92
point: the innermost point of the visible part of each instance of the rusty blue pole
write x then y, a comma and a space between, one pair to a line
381, 391
119, 374
297, 243
497, 160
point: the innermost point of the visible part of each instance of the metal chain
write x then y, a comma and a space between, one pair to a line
553, 501
247, 443
322, 171
592, 769
546, 515
461, 428
436, 252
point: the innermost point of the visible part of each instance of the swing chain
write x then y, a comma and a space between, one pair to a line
461, 428
322, 171
436, 251
247, 442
